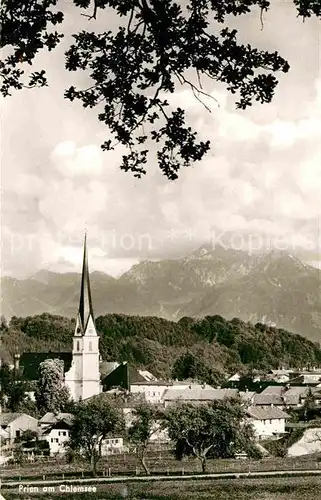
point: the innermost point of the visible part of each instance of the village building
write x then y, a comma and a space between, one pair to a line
196, 393
55, 429
267, 422
124, 375
14, 424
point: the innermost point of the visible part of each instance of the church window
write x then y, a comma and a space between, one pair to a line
78, 346
90, 346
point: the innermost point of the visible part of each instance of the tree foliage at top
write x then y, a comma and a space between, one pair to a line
13, 389
159, 46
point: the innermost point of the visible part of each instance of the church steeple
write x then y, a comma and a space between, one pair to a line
83, 378
85, 303
85, 311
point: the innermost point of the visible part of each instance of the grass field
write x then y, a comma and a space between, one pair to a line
242, 489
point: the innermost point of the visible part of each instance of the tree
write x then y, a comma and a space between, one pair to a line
51, 393
13, 389
144, 425
3, 324
93, 422
216, 430
156, 48
190, 366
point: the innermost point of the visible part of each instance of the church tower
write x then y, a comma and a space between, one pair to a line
83, 378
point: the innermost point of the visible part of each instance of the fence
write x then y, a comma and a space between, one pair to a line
128, 465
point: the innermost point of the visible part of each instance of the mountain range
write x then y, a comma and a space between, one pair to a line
275, 288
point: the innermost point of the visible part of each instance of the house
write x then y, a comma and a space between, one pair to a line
306, 378
197, 393
50, 419
281, 396
113, 445
267, 422
153, 391
247, 396
55, 429
280, 376
57, 436
14, 424
124, 375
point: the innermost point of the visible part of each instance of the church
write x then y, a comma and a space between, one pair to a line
81, 365
85, 374
83, 377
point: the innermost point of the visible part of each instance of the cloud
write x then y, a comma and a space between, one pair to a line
262, 175
73, 161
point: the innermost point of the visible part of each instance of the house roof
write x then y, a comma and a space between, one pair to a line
153, 382
29, 363
63, 424
147, 375
123, 376
52, 418
281, 372
274, 389
198, 394
106, 367
275, 399
123, 400
266, 413
297, 390
310, 378
247, 395
8, 418
4, 434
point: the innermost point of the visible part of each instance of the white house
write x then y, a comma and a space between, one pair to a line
14, 424
55, 429
267, 422
153, 391
113, 445
56, 436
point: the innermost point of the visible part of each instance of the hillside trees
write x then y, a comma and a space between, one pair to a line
159, 47
190, 366
215, 345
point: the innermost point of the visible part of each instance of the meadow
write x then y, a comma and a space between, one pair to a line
298, 488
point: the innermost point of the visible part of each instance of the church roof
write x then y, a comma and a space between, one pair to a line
124, 375
29, 362
85, 301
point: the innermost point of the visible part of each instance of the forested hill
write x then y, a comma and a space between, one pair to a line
155, 343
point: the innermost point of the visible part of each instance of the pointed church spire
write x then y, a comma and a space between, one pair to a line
85, 303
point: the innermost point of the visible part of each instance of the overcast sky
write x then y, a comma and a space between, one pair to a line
259, 186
